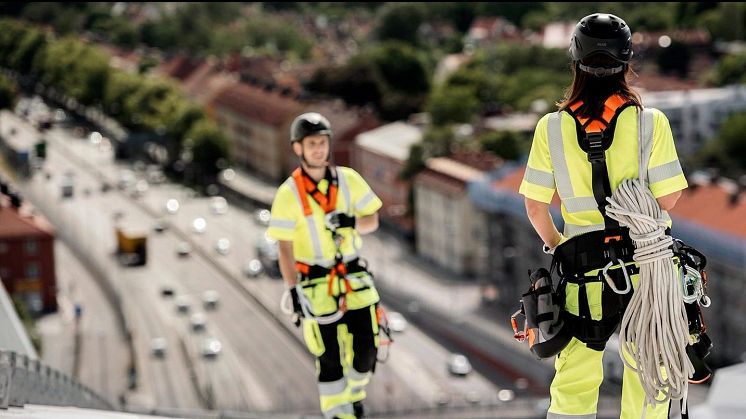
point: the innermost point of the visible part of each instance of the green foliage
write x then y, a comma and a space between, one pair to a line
457, 104
393, 77
208, 145
730, 69
400, 22
728, 150
8, 93
507, 144
80, 70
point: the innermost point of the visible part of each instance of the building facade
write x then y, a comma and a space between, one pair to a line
379, 156
696, 115
27, 265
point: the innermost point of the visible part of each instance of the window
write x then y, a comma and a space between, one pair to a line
32, 270
3, 247
31, 247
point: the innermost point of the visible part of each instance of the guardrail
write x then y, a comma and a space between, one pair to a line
28, 381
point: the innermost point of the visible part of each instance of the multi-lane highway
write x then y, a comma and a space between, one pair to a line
262, 365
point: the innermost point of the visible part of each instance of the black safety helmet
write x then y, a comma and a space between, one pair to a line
601, 33
310, 123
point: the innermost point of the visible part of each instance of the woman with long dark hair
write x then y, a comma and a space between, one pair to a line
583, 152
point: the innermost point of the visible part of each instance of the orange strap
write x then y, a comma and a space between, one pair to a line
327, 202
612, 104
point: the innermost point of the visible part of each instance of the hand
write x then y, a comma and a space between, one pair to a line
297, 308
335, 220
550, 250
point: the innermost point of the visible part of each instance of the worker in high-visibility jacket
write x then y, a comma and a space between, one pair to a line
600, 136
318, 215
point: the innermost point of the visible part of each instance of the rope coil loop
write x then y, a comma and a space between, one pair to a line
654, 330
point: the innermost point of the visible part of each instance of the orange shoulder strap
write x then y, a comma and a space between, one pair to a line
611, 106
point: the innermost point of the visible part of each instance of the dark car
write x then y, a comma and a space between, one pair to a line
267, 250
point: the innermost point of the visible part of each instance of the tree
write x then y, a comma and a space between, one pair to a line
32, 42
8, 93
727, 151
730, 69
400, 22
506, 144
455, 104
208, 145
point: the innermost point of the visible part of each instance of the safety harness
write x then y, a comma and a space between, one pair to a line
310, 275
582, 253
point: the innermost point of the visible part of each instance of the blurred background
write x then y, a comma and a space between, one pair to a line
142, 144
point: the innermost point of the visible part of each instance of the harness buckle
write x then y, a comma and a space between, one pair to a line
596, 152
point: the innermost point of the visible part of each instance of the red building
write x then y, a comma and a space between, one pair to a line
27, 256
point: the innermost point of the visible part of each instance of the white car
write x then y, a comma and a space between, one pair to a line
183, 303
200, 225
397, 322
218, 205
210, 347
197, 321
223, 246
183, 249
262, 217
210, 299
459, 365
158, 347
253, 268
172, 206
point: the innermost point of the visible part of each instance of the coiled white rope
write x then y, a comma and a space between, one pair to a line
654, 331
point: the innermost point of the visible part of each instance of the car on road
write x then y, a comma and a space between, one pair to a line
199, 225
68, 184
253, 268
197, 322
268, 253
218, 205
183, 303
210, 347
459, 364
172, 206
262, 216
158, 347
160, 225
223, 246
183, 249
397, 322
210, 299
167, 290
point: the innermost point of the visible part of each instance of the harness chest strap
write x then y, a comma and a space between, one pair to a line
328, 203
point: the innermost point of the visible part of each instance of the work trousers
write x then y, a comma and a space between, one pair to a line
345, 359
579, 371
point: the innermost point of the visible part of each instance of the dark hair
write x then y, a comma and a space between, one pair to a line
594, 91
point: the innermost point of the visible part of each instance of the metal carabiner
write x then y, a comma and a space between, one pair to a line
691, 277
611, 281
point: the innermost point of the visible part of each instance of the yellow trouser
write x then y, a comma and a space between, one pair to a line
345, 356
579, 372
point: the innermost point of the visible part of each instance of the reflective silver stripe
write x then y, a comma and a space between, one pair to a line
365, 200
551, 415
318, 254
283, 224
645, 138
353, 375
341, 409
557, 154
342, 182
665, 171
572, 230
538, 177
580, 204
333, 388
